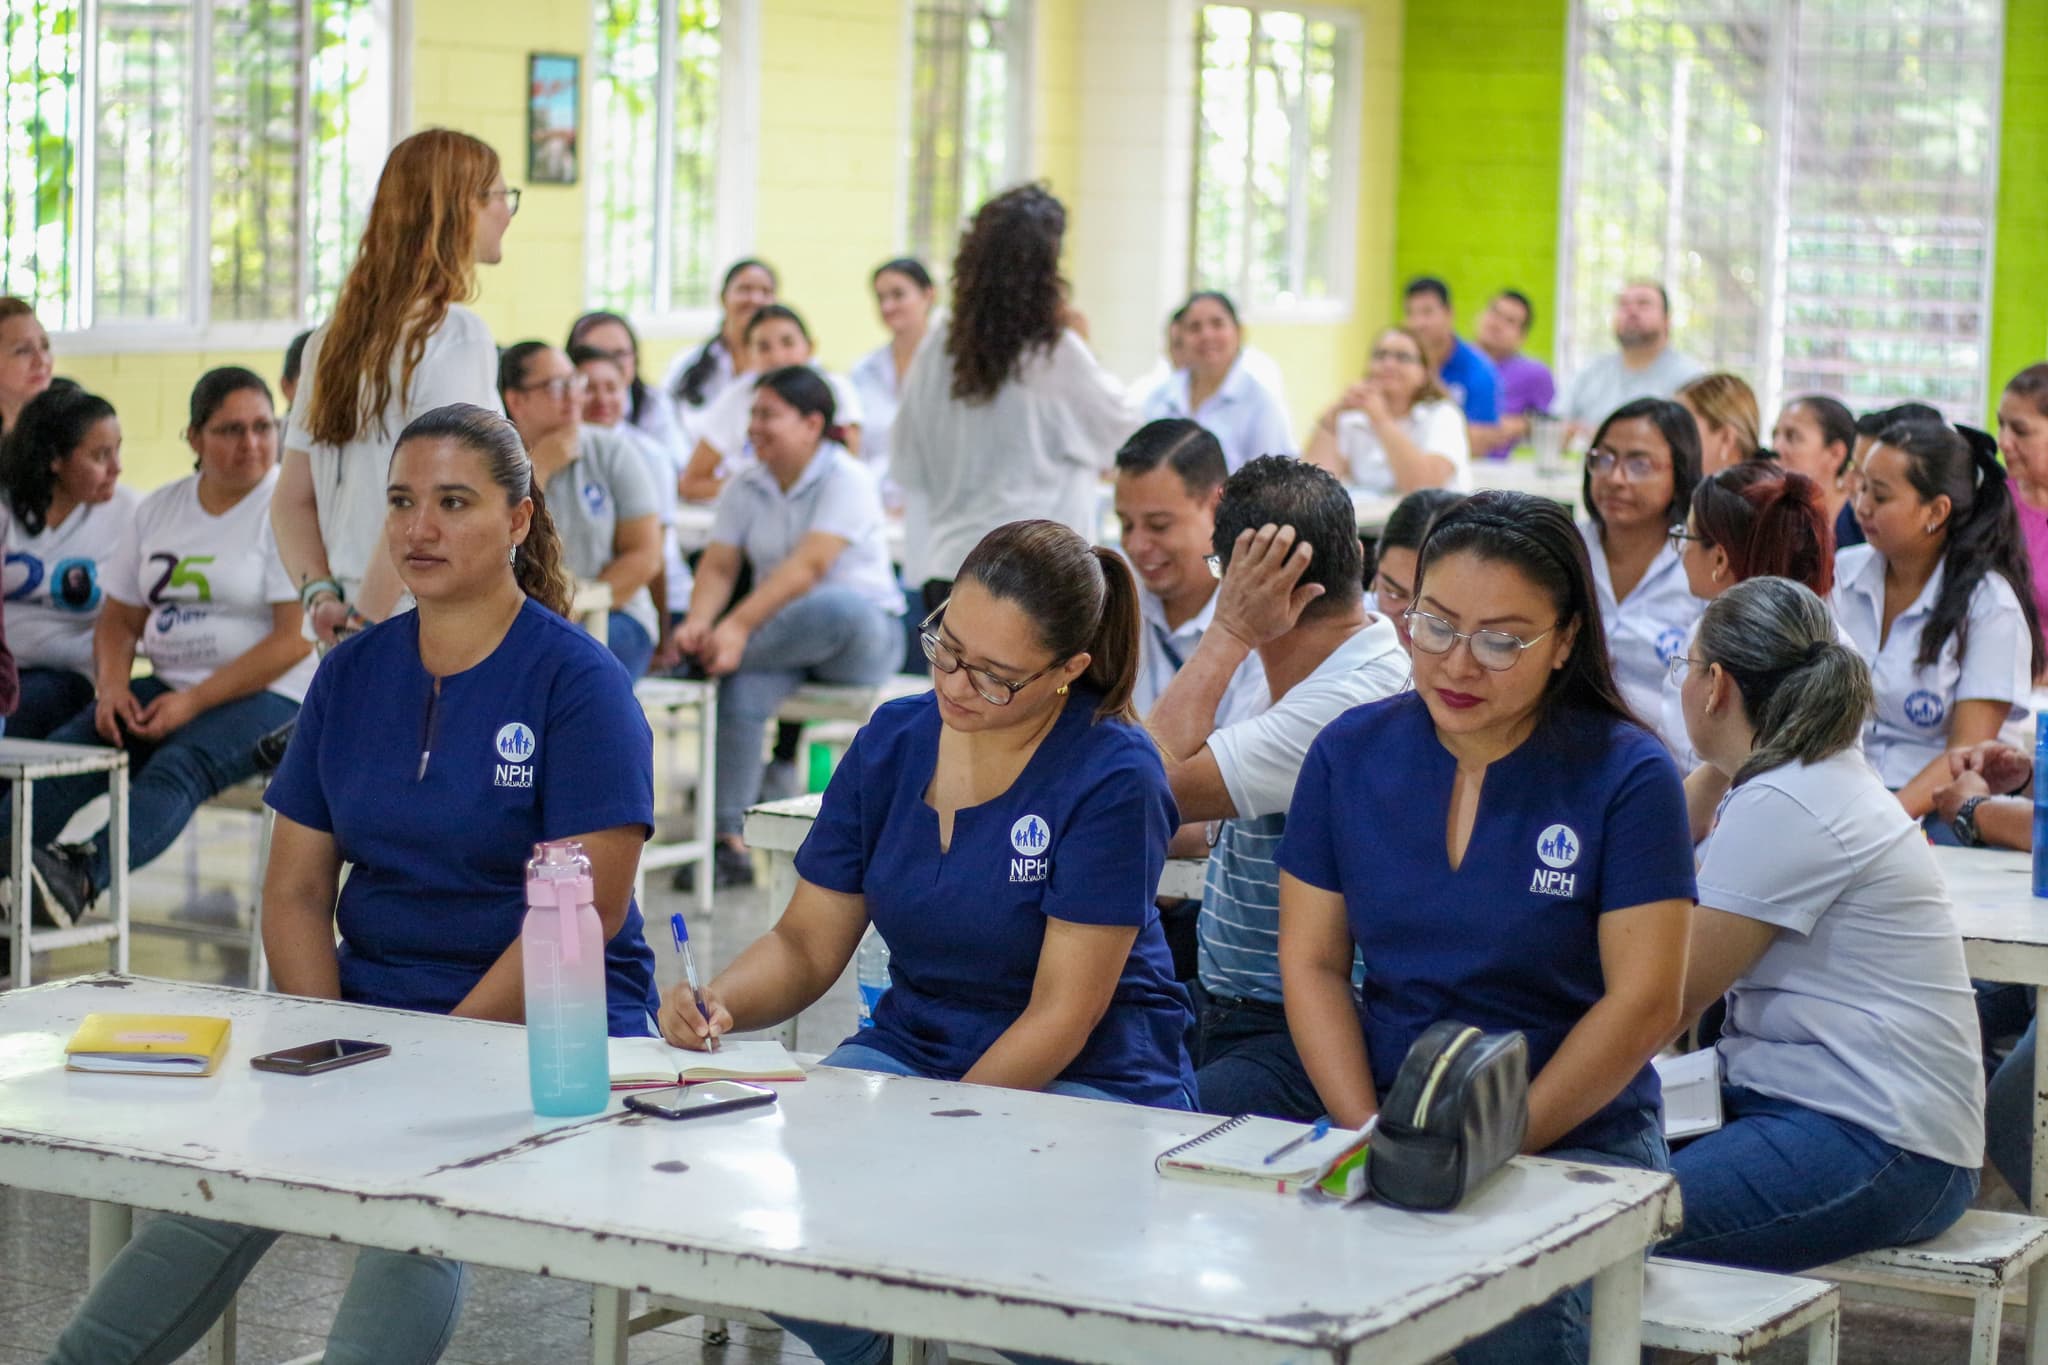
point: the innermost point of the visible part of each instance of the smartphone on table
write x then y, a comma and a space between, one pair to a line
312, 1058
695, 1101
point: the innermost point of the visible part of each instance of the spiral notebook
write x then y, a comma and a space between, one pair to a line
1235, 1152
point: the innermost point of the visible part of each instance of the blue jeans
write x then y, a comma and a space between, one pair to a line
629, 643
167, 782
49, 697
2009, 1117
1246, 1062
831, 635
837, 1345
1786, 1188
1559, 1332
171, 1282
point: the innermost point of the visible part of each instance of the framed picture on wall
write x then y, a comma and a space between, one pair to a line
553, 110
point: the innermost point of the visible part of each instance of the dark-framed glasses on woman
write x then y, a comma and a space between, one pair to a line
1493, 650
993, 690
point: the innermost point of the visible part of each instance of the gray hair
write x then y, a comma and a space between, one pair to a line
1806, 694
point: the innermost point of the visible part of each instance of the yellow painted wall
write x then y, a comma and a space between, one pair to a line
827, 154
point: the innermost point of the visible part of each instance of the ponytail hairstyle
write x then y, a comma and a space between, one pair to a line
690, 386
578, 330
804, 389
1806, 694
1769, 521
1536, 538
1080, 597
417, 256
1680, 433
52, 425
537, 560
1837, 425
1982, 534
1730, 404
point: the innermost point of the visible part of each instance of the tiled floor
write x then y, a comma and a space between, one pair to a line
514, 1319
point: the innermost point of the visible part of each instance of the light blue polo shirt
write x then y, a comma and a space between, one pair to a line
1646, 629
1243, 416
836, 494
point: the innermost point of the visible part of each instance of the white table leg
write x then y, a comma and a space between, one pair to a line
117, 865
2037, 1313
781, 887
220, 1338
707, 794
107, 1229
1618, 1313
610, 1310
24, 883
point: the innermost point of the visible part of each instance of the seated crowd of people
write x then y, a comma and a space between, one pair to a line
1592, 780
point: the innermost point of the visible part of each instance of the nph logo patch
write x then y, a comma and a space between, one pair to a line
515, 745
1032, 838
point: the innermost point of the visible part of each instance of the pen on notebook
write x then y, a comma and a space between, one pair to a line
1315, 1134
682, 934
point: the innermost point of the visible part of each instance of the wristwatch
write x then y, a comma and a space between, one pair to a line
1965, 823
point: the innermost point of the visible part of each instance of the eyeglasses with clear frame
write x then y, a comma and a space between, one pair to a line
1634, 468
1496, 651
991, 689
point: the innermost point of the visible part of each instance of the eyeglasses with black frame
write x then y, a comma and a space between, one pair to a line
1679, 534
991, 689
1496, 651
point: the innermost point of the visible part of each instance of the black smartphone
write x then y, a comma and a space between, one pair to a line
695, 1101
313, 1058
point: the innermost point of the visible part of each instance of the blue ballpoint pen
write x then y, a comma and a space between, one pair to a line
1315, 1134
682, 934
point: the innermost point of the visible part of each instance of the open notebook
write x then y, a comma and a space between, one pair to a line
637, 1063
1235, 1153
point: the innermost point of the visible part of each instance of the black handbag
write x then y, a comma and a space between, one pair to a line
1458, 1110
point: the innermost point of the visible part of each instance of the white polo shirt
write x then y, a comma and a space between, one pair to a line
1650, 628
1437, 428
1162, 650
1243, 416
835, 494
1915, 705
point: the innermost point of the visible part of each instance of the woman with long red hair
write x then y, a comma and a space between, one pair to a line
399, 344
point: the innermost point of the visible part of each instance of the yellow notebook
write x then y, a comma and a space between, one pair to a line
148, 1044
637, 1063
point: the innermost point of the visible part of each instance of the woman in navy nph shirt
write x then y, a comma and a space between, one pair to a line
1005, 833
1507, 846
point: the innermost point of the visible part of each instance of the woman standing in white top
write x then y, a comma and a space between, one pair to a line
1395, 430
903, 295
1938, 601
1217, 388
1640, 473
63, 516
1006, 415
1851, 1072
400, 343
705, 371
775, 339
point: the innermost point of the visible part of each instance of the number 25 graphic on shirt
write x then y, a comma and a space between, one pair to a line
181, 573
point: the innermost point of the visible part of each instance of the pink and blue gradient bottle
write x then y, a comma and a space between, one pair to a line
561, 946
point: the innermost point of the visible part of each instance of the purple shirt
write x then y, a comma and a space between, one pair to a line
1525, 386
2034, 526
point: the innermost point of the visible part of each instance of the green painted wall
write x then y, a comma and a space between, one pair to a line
1482, 151
2019, 290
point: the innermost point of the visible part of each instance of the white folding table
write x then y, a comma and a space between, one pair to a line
930, 1210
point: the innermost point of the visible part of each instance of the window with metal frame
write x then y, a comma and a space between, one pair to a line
969, 120
1275, 167
174, 167
660, 113
1815, 181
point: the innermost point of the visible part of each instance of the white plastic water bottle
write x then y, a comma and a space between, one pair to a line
871, 973
561, 945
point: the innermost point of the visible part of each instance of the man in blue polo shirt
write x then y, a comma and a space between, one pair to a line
1469, 377
1292, 593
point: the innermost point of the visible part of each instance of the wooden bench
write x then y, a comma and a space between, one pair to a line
1731, 1314
1974, 1263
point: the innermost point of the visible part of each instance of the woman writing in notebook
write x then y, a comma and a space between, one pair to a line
528, 731
1005, 833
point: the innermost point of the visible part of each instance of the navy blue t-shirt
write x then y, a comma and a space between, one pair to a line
1586, 816
1080, 836
542, 740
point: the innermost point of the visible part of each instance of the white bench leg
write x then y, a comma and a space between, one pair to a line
117, 863
24, 890
717, 1331
1985, 1320
259, 964
707, 795
2037, 1313
609, 1329
1617, 1336
220, 1338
